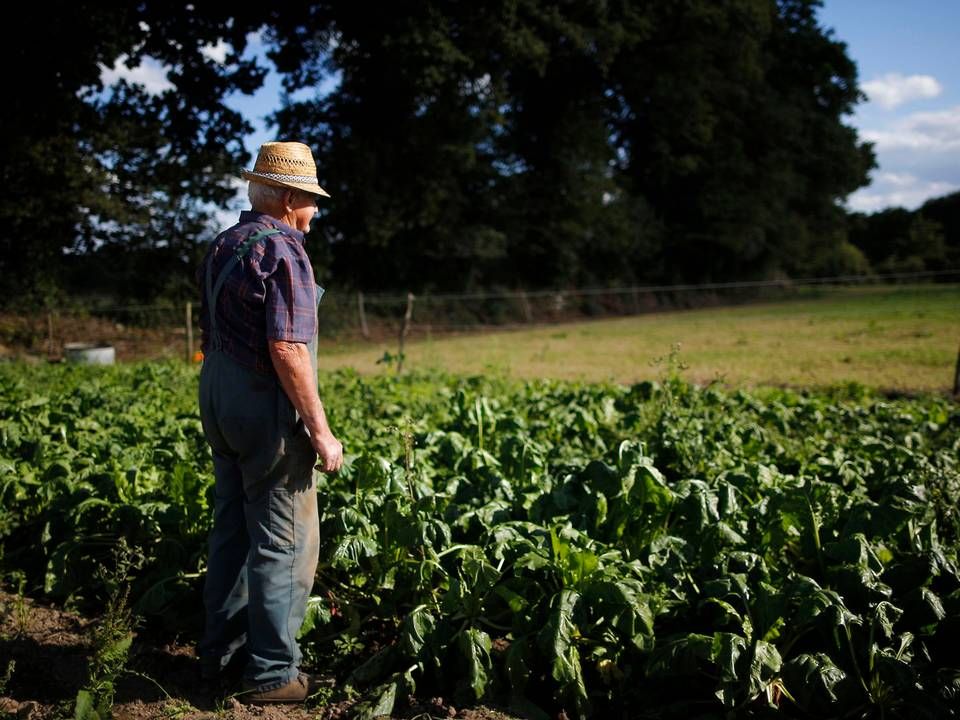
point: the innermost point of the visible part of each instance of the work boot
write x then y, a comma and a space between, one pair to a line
295, 691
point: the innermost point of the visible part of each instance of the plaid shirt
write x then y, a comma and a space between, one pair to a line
270, 294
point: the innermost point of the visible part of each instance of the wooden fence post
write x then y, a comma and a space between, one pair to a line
956, 377
189, 323
404, 329
363, 317
49, 335
525, 304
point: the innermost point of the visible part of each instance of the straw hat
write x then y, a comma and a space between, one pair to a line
286, 164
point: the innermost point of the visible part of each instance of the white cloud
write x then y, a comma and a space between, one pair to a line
256, 43
890, 189
218, 52
894, 89
898, 180
227, 216
927, 131
150, 74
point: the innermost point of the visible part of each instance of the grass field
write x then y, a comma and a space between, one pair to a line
890, 337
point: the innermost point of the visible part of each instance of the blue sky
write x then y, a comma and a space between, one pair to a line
909, 68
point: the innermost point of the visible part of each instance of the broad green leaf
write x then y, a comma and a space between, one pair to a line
813, 680
855, 550
351, 549
725, 652
730, 616
681, 655
317, 613
474, 646
558, 640
371, 472
380, 701
885, 616
765, 664
607, 480
519, 663
414, 632
376, 668
85, 707
922, 608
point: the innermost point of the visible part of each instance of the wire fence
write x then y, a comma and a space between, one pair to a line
171, 330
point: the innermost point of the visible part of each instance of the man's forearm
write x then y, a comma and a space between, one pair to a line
292, 362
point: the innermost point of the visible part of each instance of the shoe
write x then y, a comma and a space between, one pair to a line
295, 691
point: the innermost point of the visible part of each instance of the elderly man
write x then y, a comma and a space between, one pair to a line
266, 427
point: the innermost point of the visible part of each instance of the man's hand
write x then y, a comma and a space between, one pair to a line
330, 451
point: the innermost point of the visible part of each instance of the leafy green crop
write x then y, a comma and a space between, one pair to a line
658, 550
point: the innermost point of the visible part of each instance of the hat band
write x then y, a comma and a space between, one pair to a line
287, 178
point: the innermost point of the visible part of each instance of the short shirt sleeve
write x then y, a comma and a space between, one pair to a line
290, 292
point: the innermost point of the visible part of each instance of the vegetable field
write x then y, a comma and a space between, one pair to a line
657, 550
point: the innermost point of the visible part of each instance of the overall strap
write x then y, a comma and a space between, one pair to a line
213, 291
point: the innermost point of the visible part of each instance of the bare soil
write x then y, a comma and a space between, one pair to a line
45, 650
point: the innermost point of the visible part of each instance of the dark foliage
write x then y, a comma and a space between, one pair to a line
900, 240
466, 145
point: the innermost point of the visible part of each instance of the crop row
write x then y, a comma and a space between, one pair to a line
655, 550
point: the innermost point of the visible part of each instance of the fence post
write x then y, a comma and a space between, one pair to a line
363, 316
49, 334
525, 304
956, 377
404, 328
189, 321
558, 303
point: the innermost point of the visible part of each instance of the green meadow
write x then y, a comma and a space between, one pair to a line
899, 338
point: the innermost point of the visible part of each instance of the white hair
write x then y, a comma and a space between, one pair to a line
262, 195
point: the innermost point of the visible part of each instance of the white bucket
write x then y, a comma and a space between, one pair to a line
89, 354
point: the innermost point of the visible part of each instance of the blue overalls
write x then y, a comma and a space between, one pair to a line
264, 546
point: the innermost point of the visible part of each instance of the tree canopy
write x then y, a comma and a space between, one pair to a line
899, 240
510, 143
533, 143
133, 175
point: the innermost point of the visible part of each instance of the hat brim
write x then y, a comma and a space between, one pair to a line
312, 188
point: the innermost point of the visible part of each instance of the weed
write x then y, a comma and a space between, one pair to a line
391, 360
671, 363
404, 431
18, 609
177, 709
111, 639
322, 696
220, 706
671, 380
347, 645
5, 678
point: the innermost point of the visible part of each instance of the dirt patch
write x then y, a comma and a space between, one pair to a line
44, 651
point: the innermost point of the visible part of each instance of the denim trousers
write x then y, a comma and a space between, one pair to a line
265, 541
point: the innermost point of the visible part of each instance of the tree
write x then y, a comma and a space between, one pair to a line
535, 143
946, 212
86, 167
732, 128
900, 240
403, 144
467, 145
